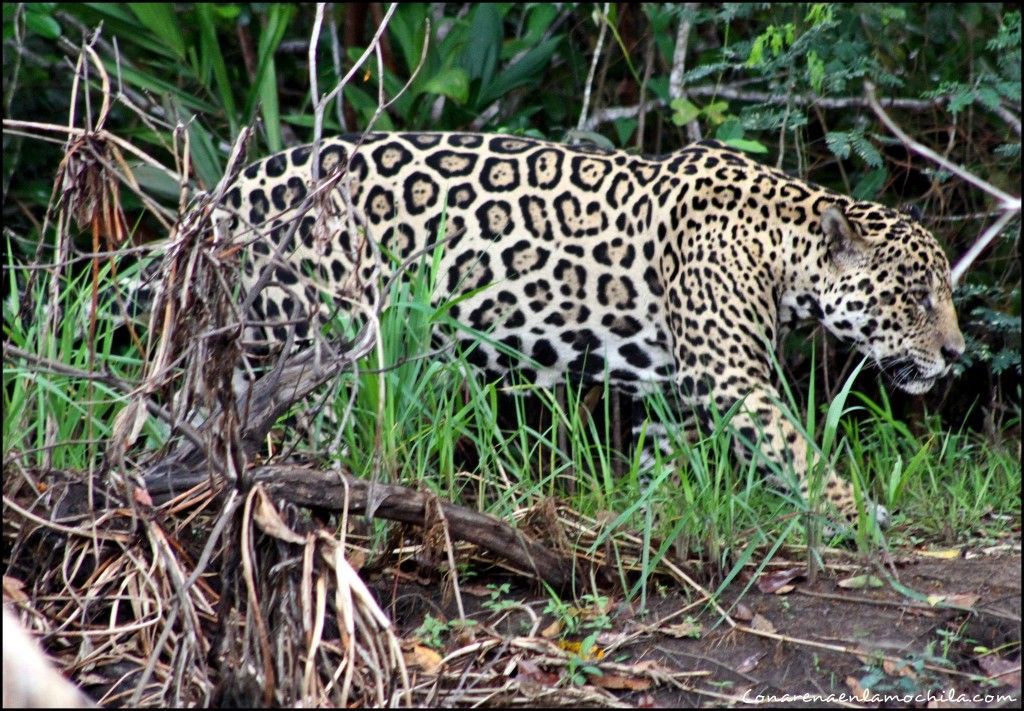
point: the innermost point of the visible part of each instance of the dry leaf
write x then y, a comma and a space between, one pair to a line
141, 496
1001, 670
963, 599
14, 589
528, 670
858, 691
893, 668
607, 639
859, 582
761, 623
595, 653
688, 629
748, 664
356, 558
615, 681
742, 613
423, 657
772, 582
270, 521
552, 630
944, 554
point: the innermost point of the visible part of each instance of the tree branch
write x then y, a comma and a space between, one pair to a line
760, 97
593, 69
1009, 204
304, 486
675, 77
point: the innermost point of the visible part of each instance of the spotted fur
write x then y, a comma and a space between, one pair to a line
678, 271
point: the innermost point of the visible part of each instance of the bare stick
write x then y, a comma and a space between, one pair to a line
736, 92
1009, 204
675, 77
593, 68
1008, 201
975, 250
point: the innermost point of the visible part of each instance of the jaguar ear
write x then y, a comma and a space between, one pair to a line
842, 240
912, 211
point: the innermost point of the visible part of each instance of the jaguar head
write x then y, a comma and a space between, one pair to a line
888, 293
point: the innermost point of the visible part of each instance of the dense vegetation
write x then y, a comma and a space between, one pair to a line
118, 116
786, 82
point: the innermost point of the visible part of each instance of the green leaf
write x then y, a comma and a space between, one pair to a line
988, 96
868, 187
41, 23
815, 71
540, 19
481, 55
685, 111
839, 143
210, 55
746, 144
867, 151
756, 52
366, 106
407, 30
453, 83
716, 111
204, 155
264, 88
159, 18
730, 130
526, 71
624, 129
156, 182
160, 87
961, 100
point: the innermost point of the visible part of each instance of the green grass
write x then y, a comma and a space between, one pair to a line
945, 486
431, 422
51, 418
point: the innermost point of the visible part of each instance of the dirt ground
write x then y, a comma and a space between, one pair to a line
957, 644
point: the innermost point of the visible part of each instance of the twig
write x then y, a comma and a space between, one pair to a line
842, 649
100, 134
969, 257
675, 77
593, 70
613, 113
1007, 115
320, 103
1009, 204
1008, 201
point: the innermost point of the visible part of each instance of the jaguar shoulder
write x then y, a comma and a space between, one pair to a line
677, 271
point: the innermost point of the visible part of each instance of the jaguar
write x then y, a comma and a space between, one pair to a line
679, 272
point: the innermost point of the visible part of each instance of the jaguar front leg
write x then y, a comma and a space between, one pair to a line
761, 424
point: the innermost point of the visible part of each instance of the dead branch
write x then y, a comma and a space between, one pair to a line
676, 89
613, 113
305, 486
1009, 204
603, 21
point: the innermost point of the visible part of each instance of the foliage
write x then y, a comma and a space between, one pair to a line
783, 80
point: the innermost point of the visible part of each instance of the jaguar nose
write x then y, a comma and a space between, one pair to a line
953, 350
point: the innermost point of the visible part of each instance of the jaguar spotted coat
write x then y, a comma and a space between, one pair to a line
678, 271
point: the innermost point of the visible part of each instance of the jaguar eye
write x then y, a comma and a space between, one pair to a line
923, 297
